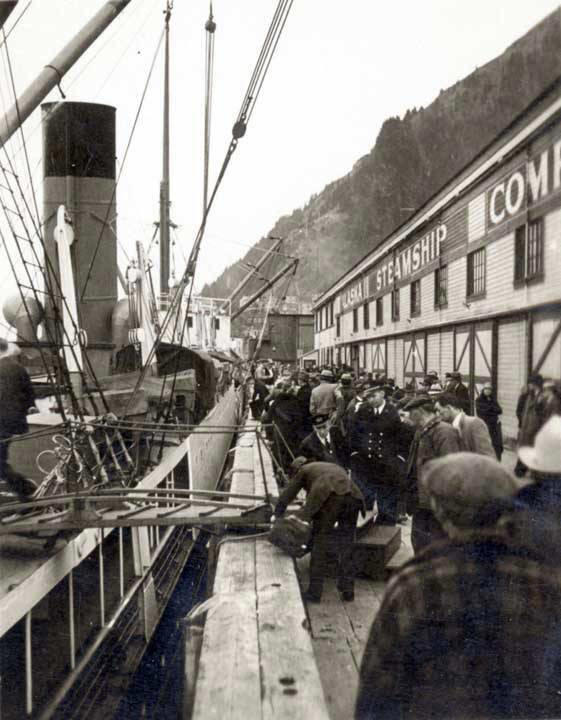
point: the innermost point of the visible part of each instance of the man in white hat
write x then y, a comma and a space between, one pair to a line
537, 523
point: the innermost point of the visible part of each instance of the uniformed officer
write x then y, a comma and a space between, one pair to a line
375, 463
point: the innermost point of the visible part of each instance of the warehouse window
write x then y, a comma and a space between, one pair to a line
379, 311
476, 273
216, 323
441, 287
366, 315
520, 254
355, 320
189, 321
528, 251
338, 325
395, 304
415, 298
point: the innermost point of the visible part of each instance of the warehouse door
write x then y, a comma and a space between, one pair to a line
379, 357
355, 359
546, 343
474, 355
414, 359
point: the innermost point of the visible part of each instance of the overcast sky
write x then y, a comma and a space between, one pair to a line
341, 68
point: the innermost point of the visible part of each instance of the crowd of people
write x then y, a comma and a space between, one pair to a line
470, 626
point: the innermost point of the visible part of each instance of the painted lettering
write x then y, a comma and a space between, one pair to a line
514, 195
406, 260
397, 268
497, 217
390, 272
384, 271
537, 179
425, 250
378, 280
416, 256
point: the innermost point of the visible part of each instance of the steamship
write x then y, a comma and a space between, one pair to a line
121, 383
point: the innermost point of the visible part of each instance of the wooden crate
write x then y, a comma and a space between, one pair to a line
373, 551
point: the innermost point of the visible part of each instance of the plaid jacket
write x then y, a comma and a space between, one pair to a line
466, 629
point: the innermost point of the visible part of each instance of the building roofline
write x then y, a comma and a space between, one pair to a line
407, 227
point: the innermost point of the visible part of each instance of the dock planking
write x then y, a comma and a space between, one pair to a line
340, 630
257, 658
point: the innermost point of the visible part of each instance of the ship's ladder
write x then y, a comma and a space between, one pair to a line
135, 507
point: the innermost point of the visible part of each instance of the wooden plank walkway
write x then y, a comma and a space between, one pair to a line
257, 658
340, 631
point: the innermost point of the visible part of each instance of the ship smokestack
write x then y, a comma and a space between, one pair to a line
79, 173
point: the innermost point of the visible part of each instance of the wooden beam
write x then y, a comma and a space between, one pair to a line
550, 343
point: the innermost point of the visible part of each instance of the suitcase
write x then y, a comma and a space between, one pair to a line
291, 535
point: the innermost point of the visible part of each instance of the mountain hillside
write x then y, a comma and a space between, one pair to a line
411, 159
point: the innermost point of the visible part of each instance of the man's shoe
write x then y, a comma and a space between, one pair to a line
311, 597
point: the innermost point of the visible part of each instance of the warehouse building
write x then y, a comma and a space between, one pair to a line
472, 281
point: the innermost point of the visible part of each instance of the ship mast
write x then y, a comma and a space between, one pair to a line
52, 74
164, 185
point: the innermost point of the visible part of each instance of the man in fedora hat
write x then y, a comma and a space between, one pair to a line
456, 387
488, 409
322, 398
344, 394
469, 627
331, 497
528, 421
537, 520
374, 442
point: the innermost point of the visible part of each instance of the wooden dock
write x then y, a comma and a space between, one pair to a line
257, 658
264, 654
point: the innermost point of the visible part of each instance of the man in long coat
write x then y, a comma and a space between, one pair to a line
375, 463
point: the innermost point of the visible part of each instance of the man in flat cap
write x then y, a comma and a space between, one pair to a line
469, 627
433, 439
375, 463
331, 497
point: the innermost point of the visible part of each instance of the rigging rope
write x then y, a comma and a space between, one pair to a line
238, 131
210, 27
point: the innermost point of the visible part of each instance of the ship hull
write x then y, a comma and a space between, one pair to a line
75, 624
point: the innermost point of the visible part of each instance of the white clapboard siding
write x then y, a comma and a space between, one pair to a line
446, 351
512, 371
543, 327
476, 218
390, 351
399, 362
433, 353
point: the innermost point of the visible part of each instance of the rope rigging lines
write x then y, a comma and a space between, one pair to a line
238, 131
